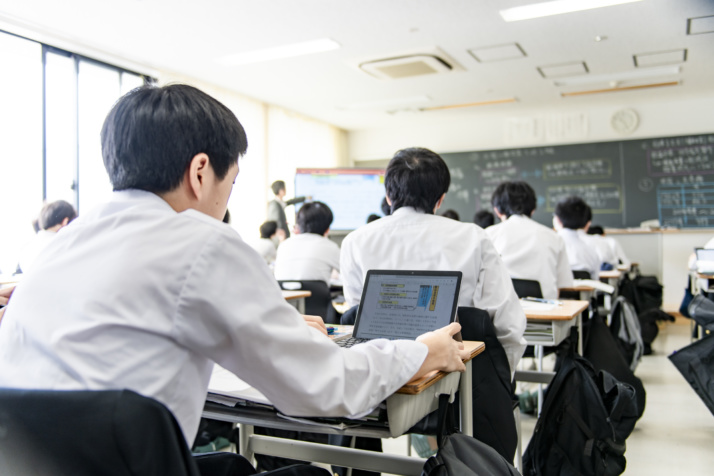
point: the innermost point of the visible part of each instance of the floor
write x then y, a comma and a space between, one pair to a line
675, 436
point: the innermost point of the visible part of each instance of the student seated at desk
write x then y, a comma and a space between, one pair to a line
412, 237
270, 237
155, 289
309, 254
53, 217
606, 253
571, 216
528, 249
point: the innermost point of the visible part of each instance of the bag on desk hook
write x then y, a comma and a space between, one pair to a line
463, 455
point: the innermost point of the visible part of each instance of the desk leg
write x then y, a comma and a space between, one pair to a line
579, 321
466, 398
539, 358
301, 306
245, 432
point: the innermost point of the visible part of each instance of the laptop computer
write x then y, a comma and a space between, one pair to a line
404, 304
705, 260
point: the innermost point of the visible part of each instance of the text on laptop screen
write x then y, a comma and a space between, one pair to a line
404, 307
705, 254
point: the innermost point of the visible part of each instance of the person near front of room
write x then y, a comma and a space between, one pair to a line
413, 237
276, 207
270, 237
607, 254
484, 219
309, 255
148, 291
53, 217
528, 249
572, 215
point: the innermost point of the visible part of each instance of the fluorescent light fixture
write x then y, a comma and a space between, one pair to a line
280, 52
617, 77
545, 9
386, 103
616, 89
471, 104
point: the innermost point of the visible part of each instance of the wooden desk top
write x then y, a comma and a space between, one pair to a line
705, 276
564, 312
417, 386
290, 295
579, 287
613, 274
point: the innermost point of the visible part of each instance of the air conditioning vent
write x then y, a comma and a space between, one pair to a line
406, 66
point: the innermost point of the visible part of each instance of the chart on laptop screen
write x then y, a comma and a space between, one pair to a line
404, 307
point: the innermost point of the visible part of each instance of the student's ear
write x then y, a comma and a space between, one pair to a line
587, 226
389, 201
65, 222
198, 171
438, 204
327, 232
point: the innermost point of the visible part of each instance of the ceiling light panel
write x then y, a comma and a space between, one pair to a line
700, 25
557, 7
280, 52
566, 69
497, 53
631, 75
660, 57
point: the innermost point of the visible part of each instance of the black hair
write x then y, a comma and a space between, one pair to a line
268, 229
227, 217
152, 133
484, 218
386, 208
595, 230
514, 198
277, 186
572, 212
314, 217
450, 214
372, 217
54, 213
417, 178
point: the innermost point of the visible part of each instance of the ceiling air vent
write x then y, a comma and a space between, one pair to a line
406, 66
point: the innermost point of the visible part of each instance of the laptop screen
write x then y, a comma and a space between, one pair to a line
705, 254
406, 304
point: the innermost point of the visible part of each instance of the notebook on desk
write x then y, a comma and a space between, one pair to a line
404, 304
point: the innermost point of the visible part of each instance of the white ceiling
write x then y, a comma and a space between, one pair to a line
188, 37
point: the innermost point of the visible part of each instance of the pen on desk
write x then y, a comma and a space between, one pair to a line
547, 301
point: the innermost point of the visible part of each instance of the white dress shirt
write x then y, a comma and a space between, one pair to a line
532, 251
307, 256
619, 252
265, 248
409, 239
29, 254
134, 295
582, 257
604, 252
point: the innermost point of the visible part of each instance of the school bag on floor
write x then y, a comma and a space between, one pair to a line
586, 418
696, 364
625, 328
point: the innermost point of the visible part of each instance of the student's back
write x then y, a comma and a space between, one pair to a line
532, 251
572, 215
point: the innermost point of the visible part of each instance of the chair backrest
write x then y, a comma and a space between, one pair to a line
319, 303
86, 433
527, 288
581, 274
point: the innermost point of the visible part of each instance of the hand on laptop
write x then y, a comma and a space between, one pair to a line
444, 352
316, 322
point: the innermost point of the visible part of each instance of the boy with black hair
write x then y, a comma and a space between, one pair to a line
412, 237
606, 253
484, 219
148, 291
571, 215
53, 217
270, 237
528, 249
309, 255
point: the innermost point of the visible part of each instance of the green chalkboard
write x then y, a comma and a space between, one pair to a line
625, 182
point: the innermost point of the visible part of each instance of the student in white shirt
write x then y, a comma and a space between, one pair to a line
147, 291
413, 237
528, 249
571, 216
309, 255
53, 217
270, 237
606, 253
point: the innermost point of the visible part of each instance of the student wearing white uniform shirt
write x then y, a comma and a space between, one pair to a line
528, 249
270, 236
571, 216
309, 254
605, 251
53, 217
147, 291
413, 237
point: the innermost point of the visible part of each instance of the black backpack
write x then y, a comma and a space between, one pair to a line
586, 418
644, 292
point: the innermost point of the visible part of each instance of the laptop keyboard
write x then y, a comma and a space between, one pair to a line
350, 341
